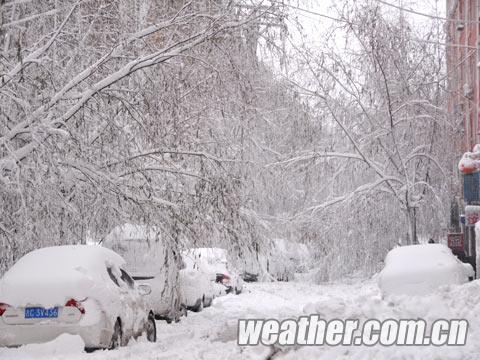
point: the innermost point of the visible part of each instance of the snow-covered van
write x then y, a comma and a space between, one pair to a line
150, 261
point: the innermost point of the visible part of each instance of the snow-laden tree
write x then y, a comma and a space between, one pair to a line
164, 114
125, 111
372, 166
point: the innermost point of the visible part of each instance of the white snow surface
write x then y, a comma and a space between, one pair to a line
61, 348
211, 334
420, 269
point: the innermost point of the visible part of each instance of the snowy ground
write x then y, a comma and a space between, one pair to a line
211, 334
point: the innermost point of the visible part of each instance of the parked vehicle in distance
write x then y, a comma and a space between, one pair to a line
150, 261
249, 277
76, 289
196, 289
216, 260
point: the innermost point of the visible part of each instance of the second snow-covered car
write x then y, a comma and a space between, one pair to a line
74, 289
150, 261
196, 289
215, 260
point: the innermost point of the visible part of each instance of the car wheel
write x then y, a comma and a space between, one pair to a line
151, 329
117, 336
198, 306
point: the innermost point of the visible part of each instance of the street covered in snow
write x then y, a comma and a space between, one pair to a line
239, 179
212, 333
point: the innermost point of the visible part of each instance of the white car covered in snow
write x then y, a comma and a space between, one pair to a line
198, 284
420, 269
216, 261
196, 289
150, 261
75, 289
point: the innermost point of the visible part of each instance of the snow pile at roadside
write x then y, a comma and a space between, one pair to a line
63, 346
420, 269
211, 334
448, 302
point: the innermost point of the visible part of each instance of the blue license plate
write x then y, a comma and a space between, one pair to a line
40, 313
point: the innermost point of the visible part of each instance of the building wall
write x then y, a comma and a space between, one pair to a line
462, 59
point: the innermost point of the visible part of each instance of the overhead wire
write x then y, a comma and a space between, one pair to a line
346, 21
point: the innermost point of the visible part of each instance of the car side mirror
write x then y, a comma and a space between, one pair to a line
144, 289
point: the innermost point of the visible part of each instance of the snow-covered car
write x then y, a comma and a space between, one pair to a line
196, 289
420, 269
74, 289
216, 261
249, 277
152, 262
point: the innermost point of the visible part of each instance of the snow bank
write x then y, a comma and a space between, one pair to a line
420, 269
211, 334
364, 301
65, 345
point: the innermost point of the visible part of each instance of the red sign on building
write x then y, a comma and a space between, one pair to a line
456, 241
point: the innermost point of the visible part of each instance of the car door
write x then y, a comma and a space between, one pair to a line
135, 301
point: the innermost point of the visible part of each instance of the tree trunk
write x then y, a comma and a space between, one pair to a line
454, 215
412, 226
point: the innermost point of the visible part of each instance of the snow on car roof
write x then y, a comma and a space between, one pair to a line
420, 255
55, 258
50, 275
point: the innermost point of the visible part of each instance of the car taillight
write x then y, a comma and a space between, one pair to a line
3, 308
77, 304
225, 279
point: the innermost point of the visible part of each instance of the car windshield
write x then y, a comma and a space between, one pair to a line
142, 248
